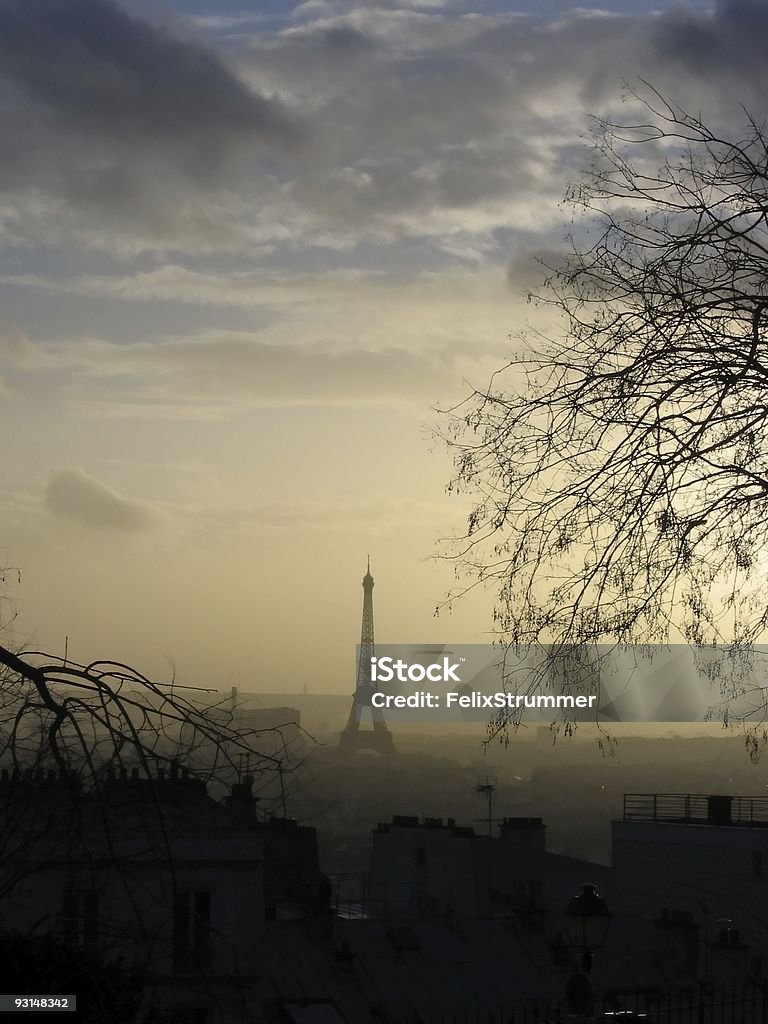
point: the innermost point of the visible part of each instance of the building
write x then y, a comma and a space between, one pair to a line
421, 864
698, 865
148, 872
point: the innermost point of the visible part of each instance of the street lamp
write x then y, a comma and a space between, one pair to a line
586, 923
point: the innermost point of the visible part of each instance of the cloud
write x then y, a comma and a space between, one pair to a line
211, 377
529, 268
177, 376
111, 114
447, 124
171, 411
385, 513
416, 120
104, 73
72, 494
723, 45
325, 339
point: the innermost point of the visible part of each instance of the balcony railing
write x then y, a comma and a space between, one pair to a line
697, 809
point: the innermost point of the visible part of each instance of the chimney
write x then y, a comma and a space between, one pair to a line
719, 810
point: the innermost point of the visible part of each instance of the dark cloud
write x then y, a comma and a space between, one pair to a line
101, 71
73, 494
724, 45
527, 270
113, 113
348, 42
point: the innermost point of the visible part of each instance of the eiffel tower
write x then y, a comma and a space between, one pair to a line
378, 738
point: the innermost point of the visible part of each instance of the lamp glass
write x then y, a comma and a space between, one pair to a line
587, 920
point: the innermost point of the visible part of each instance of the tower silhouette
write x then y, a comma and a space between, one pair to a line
378, 738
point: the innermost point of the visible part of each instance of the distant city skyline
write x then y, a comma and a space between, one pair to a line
245, 250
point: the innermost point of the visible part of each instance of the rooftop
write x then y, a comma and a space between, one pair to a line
507, 824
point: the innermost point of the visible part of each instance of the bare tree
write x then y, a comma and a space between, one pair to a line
103, 777
619, 470
93, 720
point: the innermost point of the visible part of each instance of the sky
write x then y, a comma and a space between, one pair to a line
247, 250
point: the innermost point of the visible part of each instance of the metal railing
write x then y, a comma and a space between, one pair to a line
697, 808
731, 1004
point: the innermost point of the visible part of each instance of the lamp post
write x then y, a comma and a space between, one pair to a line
586, 928
586, 923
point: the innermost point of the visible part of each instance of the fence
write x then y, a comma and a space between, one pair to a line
727, 1005
697, 808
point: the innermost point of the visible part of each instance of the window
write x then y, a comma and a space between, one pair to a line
79, 921
192, 930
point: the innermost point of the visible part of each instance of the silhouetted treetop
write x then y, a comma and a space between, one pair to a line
618, 466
